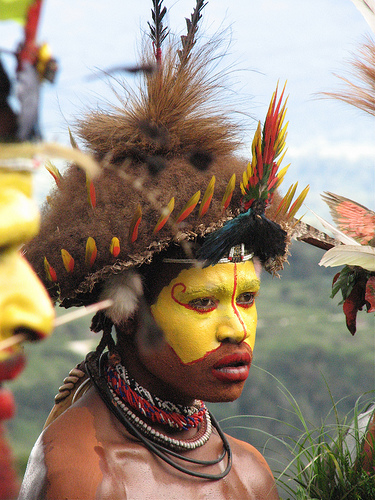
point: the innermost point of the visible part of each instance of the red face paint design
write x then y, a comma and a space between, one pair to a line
202, 308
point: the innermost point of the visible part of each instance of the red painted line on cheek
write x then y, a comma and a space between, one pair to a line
202, 358
234, 303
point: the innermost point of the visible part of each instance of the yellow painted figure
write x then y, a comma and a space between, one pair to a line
24, 304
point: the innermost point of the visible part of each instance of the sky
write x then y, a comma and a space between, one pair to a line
330, 144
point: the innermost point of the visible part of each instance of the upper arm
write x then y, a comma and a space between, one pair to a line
64, 463
34, 481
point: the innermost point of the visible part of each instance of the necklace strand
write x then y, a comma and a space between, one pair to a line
197, 441
138, 398
95, 366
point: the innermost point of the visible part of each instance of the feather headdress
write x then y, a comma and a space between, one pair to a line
359, 90
169, 177
356, 233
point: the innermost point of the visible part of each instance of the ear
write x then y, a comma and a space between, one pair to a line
257, 266
124, 290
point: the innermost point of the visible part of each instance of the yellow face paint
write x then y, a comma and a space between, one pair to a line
24, 302
19, 216
202, 308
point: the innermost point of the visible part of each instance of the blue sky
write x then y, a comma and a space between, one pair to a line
330, 145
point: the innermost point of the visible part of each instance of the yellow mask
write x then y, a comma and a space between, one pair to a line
24, 302
202, 308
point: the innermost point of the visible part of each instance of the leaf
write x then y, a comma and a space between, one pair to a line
370, 294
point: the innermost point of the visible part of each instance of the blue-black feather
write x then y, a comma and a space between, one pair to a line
259, 235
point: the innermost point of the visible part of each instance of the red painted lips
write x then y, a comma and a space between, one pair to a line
232, 368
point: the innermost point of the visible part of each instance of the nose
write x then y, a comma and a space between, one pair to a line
24, 303
231, 330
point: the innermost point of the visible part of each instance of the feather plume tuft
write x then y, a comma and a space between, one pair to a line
125, 290
359, 90
351, 255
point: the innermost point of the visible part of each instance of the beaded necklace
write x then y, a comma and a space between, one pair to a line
138, 398
96, 369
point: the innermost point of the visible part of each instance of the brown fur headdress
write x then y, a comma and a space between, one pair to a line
169, 175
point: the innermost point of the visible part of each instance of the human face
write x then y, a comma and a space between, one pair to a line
208, 317
202, 308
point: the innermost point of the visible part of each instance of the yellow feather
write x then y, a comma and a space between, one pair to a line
207, 197
228, 192
297, 204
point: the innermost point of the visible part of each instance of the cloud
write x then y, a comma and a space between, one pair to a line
322, 149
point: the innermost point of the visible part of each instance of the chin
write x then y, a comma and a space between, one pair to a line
224, 395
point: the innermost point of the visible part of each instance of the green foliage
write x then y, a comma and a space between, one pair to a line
329, 461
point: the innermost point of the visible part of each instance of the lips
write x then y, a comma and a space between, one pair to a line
232, 368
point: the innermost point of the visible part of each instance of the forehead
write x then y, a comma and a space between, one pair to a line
219, 276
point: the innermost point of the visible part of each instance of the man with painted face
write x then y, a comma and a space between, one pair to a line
208, 318
168, 236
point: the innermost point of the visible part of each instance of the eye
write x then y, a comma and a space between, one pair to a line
204, 304
246, 299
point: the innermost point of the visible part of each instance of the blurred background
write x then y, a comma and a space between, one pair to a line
302, 340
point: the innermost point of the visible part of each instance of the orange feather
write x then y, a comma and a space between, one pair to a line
115, 246
228, 192
91, 252
134, 224
165, 213
207, 197
189, 207
68, 260
50, 272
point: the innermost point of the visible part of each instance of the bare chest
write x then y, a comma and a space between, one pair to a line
135, 474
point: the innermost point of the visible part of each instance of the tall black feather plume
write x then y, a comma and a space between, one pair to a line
188, 40
158, 32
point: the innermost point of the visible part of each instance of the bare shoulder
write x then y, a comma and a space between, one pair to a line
253, 470
63, 462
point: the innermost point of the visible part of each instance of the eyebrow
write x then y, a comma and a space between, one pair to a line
251, 285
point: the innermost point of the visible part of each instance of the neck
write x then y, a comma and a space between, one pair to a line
130, 358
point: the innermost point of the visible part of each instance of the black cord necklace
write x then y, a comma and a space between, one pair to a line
94, 367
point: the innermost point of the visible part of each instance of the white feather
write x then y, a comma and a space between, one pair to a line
124, 290
339, 235
362, 256
367, 9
